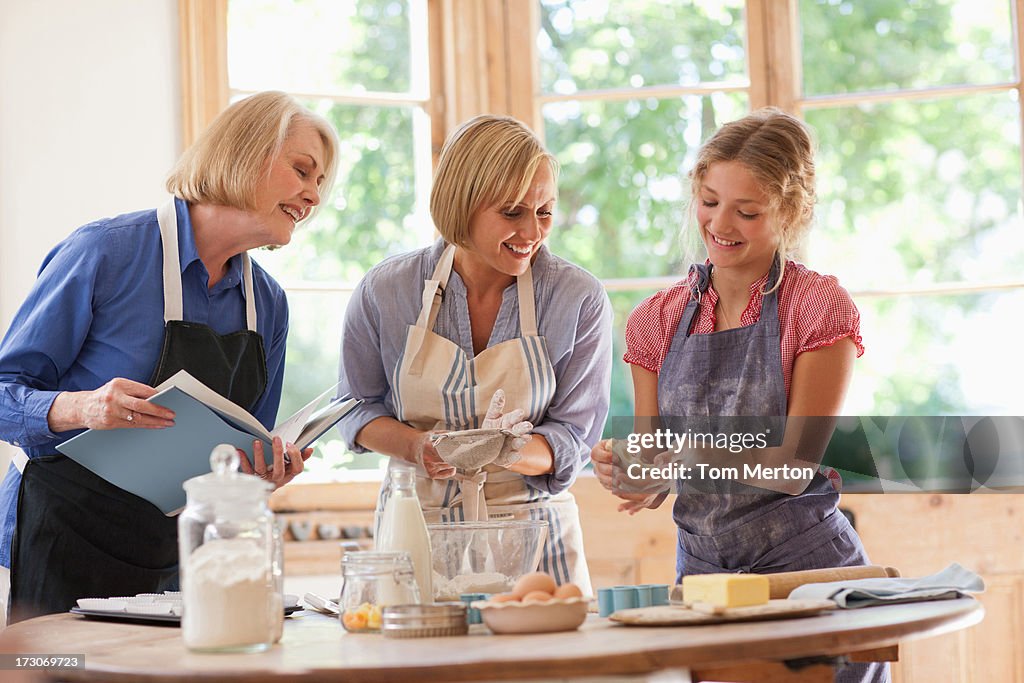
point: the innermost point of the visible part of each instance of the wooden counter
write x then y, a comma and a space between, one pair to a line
316, 648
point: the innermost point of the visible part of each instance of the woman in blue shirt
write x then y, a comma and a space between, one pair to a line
121, 305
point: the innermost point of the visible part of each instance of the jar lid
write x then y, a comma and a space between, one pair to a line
225, 482
424, 621
376, 562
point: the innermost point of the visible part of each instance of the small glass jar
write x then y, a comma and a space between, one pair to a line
372, 581
228, 559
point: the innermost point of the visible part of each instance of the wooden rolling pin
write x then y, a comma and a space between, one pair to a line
780, 585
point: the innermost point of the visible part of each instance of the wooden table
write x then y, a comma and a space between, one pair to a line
315, 648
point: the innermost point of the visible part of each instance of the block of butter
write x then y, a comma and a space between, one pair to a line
726, 590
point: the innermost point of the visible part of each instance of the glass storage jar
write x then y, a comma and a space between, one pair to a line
372, 581
229, 562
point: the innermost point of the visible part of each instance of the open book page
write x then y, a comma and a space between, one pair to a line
324, 419
226, 408
302, 428
292, 428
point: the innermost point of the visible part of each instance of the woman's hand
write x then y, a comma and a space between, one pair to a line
288, 462
430, 459
117, 404
497, 418
388, 436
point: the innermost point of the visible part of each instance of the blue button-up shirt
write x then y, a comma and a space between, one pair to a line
574, 316
96, 312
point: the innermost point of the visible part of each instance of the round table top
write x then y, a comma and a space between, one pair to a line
315, 647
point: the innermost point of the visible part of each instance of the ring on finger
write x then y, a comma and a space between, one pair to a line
131, 416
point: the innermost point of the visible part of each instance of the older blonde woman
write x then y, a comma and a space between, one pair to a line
431, 335
124, 303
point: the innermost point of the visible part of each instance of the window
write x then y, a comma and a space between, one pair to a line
363, 66
917, 111
917, 108
629, 91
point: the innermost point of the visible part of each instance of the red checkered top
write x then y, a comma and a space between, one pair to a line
814, 311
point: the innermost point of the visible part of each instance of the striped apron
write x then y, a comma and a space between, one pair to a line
437, 385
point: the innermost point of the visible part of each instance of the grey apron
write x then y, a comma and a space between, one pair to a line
738, 372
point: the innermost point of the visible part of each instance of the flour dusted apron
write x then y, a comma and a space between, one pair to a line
437, 385
738, 372
79, 536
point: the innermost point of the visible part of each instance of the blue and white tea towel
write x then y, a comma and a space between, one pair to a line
952, 582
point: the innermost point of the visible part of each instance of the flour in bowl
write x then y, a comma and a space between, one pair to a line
484, 582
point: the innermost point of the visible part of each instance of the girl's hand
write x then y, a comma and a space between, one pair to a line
635, 502
638, 494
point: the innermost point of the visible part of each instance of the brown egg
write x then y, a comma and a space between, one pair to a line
537, 596
503, 597
568, 590
537, 581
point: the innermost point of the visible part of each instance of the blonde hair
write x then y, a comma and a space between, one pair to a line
778, 151
230, 158
489, 160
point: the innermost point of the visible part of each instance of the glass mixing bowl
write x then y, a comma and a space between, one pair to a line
484, 557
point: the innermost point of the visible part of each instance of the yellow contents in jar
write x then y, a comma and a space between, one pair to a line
364, 618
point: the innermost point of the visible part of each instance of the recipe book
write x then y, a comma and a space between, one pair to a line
154, 463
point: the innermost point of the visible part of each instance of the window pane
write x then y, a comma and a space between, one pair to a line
371, 213
621, 405
320, 46
314, 339
623, 187
851, 45
329, 48
588, 44
919, 192
941, 355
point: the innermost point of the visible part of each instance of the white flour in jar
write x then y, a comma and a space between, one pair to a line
229, 597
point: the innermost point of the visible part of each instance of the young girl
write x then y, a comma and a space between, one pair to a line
750, 333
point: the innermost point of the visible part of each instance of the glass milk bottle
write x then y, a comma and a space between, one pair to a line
226, 553
402, 527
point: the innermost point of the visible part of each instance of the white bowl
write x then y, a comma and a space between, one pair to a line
560, 614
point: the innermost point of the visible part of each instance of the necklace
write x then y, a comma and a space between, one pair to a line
725, 318
720, 308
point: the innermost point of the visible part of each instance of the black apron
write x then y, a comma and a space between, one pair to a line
78, 536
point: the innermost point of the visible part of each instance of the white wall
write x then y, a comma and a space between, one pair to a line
89, 123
